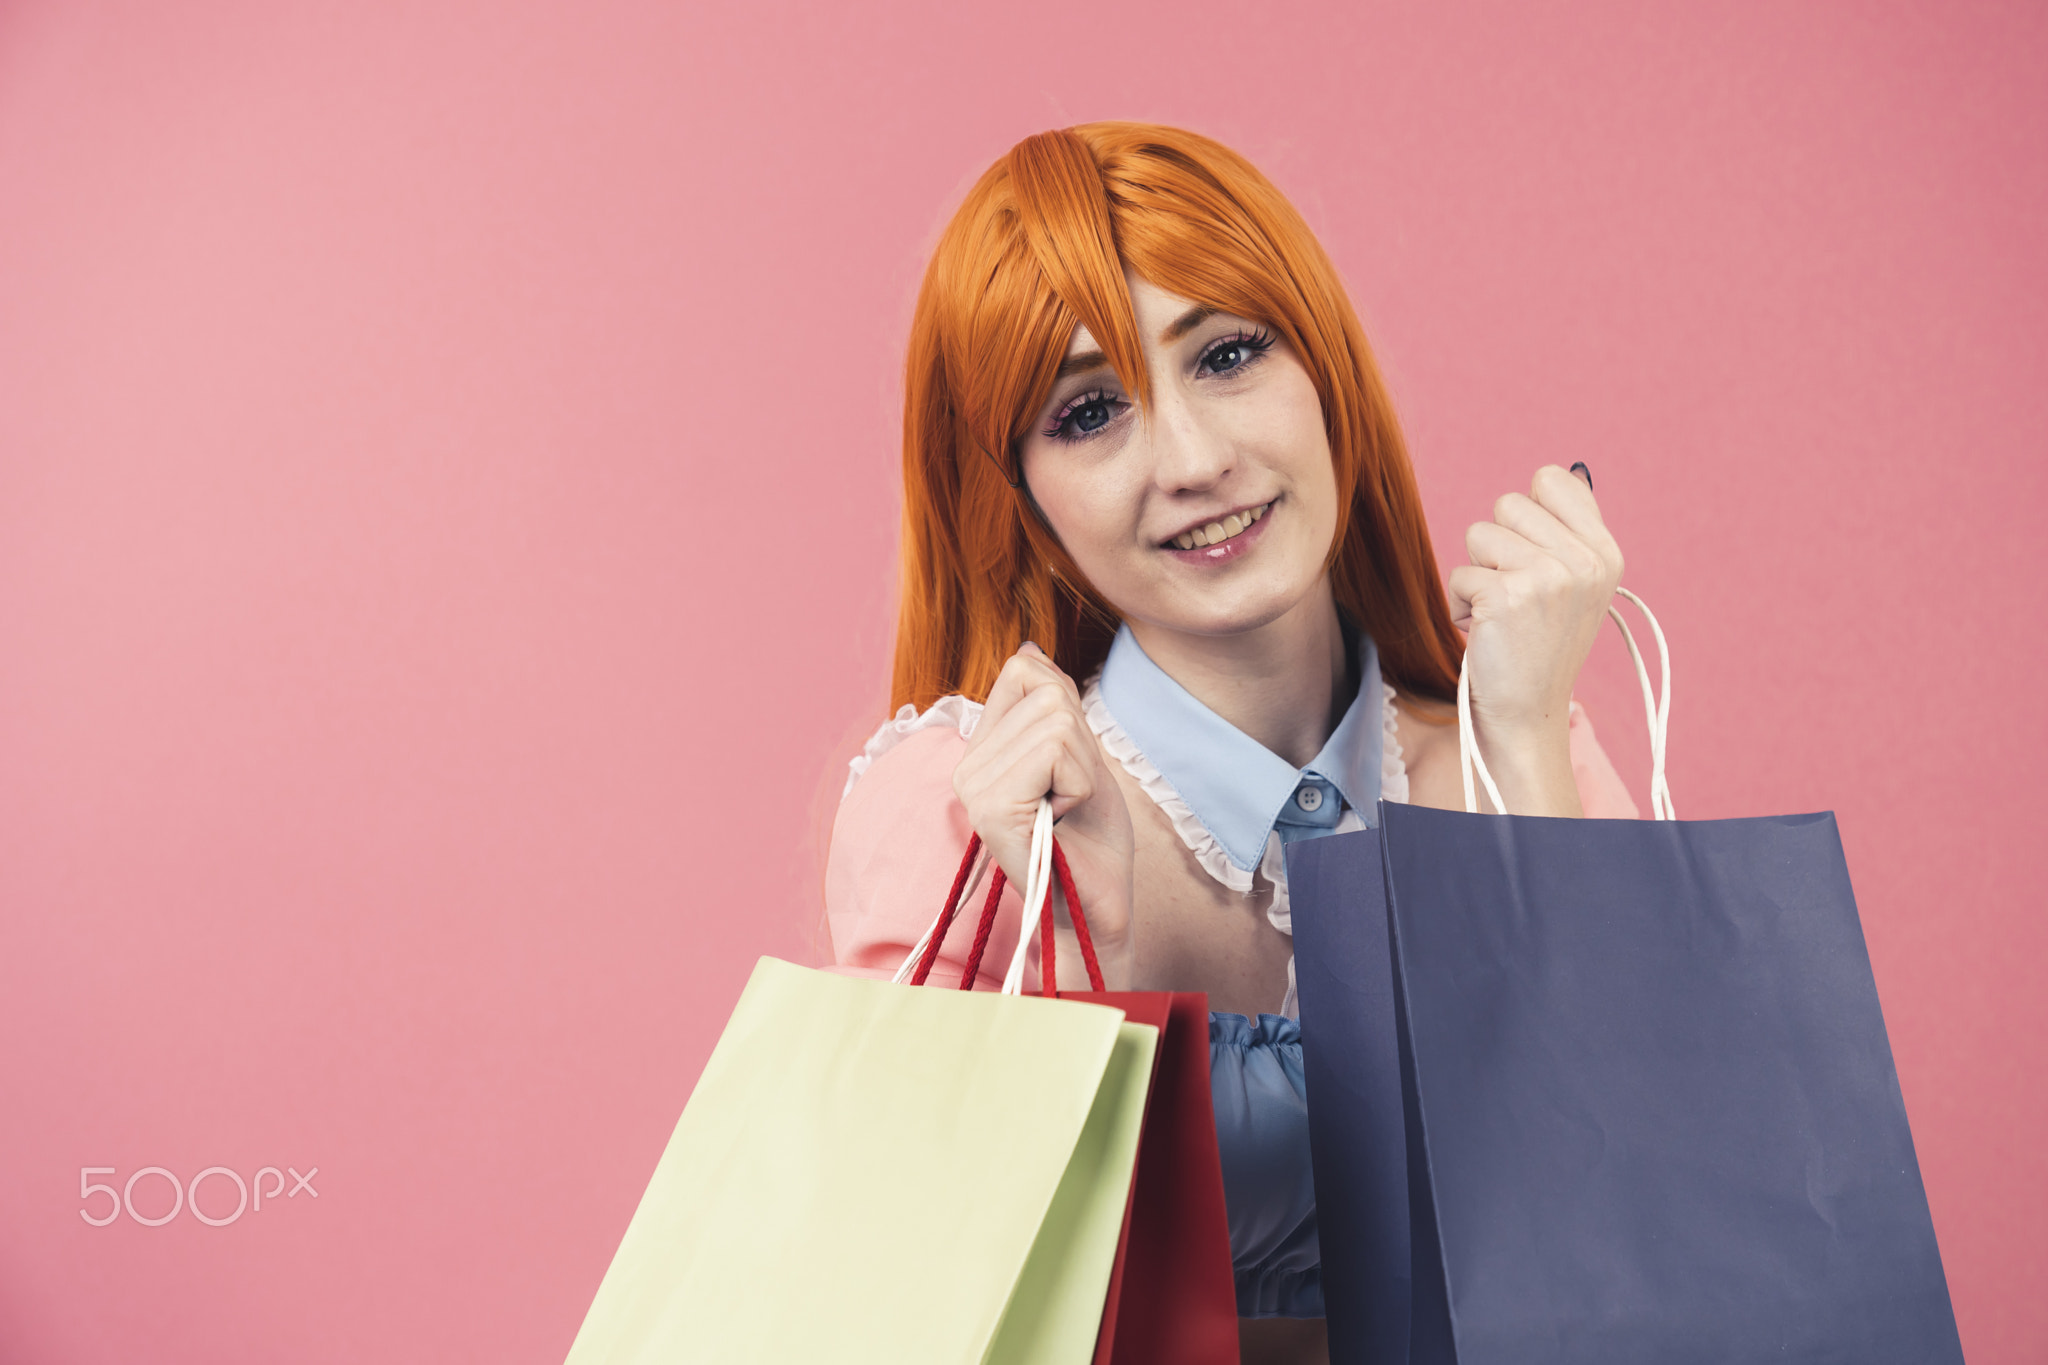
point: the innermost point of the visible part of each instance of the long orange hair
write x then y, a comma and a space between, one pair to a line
1040, 245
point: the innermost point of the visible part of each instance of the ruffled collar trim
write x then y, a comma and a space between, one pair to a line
1208, 852
961, 714
1236, 786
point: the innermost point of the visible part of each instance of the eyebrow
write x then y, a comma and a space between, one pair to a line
1082, 361
1187, 322
1085, 360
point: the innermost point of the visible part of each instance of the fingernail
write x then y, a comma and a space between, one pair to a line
1032, 645
1579, 468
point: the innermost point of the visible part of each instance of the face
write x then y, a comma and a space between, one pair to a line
1209, 514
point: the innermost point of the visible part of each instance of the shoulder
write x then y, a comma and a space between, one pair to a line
1427, 732
900, 785
924, 733
898, 834
1429, 745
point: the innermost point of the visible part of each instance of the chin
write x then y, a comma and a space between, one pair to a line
1235, 614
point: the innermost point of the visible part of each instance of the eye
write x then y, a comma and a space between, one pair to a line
1234, 353
1084, 416
1090, 416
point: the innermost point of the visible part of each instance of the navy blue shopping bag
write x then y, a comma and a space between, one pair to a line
1605, 1091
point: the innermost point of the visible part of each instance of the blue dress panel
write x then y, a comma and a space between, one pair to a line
1246, 796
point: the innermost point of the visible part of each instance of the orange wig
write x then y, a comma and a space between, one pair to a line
1042, 244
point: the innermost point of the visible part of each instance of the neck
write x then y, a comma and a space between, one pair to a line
1286, 683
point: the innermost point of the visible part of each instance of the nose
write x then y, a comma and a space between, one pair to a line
1188, 454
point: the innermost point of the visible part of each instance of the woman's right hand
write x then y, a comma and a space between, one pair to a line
1033, 740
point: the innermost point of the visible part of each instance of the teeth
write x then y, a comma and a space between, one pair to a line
1216, 531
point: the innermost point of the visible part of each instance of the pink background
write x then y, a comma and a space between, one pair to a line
447, 505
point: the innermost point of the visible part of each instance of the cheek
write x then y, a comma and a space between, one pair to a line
1090, 516
1323, 510
1286, 432
1308, 447
1323, 475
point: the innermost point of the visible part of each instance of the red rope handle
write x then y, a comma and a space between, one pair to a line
931, 950
1048, 978
996, 883
1047, 968
1066, 876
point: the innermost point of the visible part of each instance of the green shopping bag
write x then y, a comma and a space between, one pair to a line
873, 1172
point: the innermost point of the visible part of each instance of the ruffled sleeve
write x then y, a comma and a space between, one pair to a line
896, 844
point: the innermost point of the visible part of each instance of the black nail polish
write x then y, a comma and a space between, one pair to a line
1579, 468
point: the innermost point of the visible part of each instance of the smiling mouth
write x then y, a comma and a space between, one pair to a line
1216, 532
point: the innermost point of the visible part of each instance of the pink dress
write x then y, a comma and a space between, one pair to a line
900, 833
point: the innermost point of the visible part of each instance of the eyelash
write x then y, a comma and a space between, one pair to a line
1059, 431
1257, 341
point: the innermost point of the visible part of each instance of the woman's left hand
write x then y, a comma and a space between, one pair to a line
1542, 574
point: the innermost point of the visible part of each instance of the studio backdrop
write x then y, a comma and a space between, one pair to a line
448, 498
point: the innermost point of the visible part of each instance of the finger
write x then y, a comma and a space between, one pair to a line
1493, 546
1033, 710
1008, 689
1036, 669
1466, 587
1045, 760
1014, 758
1025, 671
1570, 499
1585, 554
1040, 765
1074, 781
1049, 669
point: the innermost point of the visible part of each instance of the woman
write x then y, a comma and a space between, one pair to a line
1164, 560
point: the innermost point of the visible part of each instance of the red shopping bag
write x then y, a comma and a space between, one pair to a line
1171, 1299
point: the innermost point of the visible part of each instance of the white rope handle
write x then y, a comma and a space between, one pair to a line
1037, 885
1469, 756
1656, 709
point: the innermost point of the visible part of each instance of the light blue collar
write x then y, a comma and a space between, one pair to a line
1237, 787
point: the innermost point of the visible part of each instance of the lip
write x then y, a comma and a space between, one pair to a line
1223, 552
